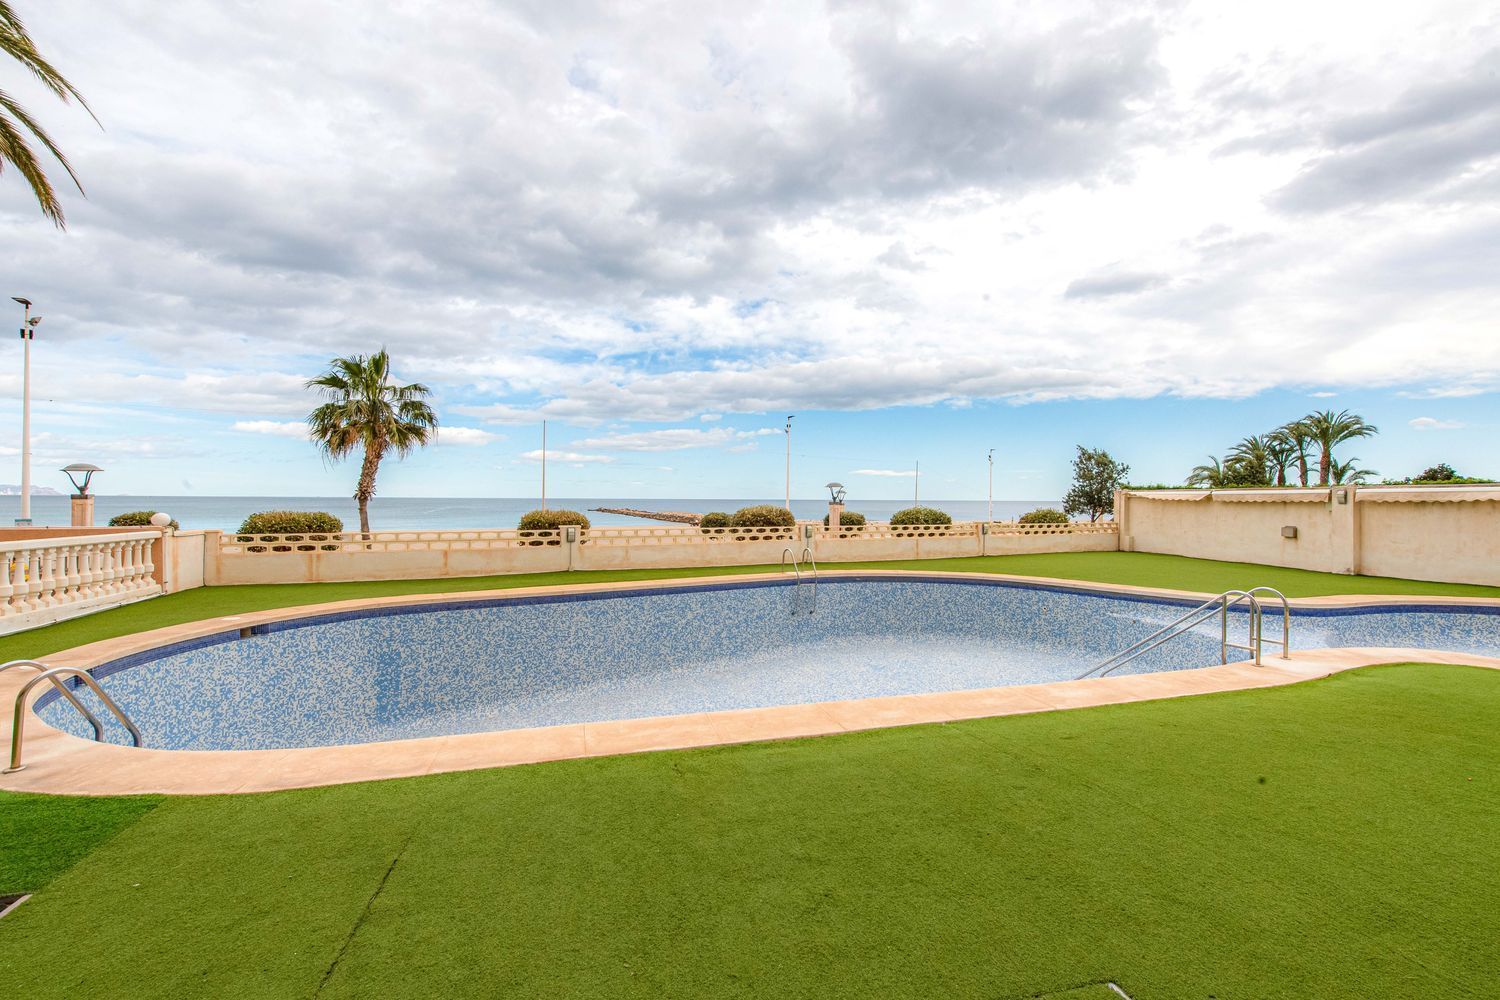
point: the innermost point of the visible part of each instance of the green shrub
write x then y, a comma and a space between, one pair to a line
920, 515
286, 522
1044, 515
1440, 473
714, 519
763, 516
848, 519
138, 519
551, 520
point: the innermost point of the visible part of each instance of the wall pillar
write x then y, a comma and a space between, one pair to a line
835, 511
83, 511
1345, 529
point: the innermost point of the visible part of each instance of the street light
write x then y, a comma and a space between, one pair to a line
789, 420
83, 503
28, 332
992, 486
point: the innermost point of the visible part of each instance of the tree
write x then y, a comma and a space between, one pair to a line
1345, 472
1299, 439
1328, 430
1440, 473
1281, 452
366, 410
1096, 476
16, 121
1250, 462
1210, 475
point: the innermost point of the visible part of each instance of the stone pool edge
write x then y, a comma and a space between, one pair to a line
60, 763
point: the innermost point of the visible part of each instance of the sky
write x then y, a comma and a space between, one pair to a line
926, 229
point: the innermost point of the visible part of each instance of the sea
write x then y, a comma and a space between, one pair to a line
393, 513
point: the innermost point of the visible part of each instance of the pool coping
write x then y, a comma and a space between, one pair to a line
61, 763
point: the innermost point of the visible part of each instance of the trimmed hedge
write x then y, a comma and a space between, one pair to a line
920, 515
763, 516
714, 519
138, 519
551, 520
287, 522
1044, 515
848, 519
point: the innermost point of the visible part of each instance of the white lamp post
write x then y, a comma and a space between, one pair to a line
28, 331
991, 516
789, 462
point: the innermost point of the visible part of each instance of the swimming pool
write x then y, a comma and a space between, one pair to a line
508, 663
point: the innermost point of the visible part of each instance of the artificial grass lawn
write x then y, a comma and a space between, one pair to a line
1137, 568
1329, 839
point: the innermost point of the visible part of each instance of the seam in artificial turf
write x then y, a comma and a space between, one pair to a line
363, 915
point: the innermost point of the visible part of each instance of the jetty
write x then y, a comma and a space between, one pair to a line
675, 516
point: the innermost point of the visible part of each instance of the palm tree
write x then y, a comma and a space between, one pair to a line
365, 409
1345, 472
1211, 475
1281, 451
1329, 429
1299, 438
15, 121
1251, 460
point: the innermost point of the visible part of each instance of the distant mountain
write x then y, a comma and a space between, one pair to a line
13, 490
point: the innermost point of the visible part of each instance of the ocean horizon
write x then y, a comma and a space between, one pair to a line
451, 513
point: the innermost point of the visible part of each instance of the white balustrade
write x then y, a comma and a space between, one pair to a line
44, 580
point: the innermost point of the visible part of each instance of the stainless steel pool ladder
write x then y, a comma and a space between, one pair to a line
807, 555
55, 675
1218, 605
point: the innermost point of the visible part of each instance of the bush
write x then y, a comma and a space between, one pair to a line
138, 519
848, 519
714, 519
1044, 515
763, 516
920, 515
287, 522
1440, 473
551, 520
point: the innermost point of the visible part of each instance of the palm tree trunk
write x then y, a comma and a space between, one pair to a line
1302, 466
1325, 459
366, 488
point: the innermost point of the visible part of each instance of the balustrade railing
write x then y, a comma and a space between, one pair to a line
49, 579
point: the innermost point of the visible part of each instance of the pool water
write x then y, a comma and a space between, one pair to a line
523, 662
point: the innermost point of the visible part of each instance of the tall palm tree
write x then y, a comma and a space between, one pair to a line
1300, 439
365, 409
1329, 429
16, 122
1211, 475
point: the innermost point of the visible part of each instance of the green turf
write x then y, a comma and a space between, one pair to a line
1335, 839
42, 836
1138, 568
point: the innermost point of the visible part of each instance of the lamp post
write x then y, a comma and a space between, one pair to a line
83, 501
991, 516
789, 461
28, 331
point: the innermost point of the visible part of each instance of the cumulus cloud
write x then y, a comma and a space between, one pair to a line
1434, 424
469, 437
277, 428
1108, 283
573, 457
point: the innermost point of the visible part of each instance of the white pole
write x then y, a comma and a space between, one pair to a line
544, 465
991, 516
26, 335
789, 463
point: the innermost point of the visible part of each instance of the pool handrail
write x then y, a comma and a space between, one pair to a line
62, 689
1219, 604
807, 554
1285, 642
18, 722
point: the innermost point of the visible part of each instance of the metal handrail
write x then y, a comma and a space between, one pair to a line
19, 721
63, 690
807, 554
1286, 621
795, 568
1220, 604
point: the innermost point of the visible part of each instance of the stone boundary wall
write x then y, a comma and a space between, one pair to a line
1449, 534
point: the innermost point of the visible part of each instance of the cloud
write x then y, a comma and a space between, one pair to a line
1106, 284
710, 417
1434, 424
673, 439
466, 436
894, 473
278, 428
564, 456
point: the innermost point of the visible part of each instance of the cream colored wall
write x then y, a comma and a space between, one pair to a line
996, 544
183, 562
1449, 541
411, 564
1453, 542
